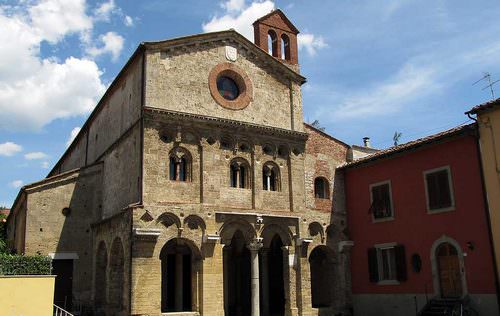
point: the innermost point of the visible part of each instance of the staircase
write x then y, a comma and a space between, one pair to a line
58, 311
441, 307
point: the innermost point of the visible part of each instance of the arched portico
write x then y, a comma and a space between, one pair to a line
179, 276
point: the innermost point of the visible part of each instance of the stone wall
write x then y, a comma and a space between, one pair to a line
117, 112
49, 231
114, 234
177, 79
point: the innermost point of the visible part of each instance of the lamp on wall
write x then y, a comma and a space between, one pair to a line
470, 245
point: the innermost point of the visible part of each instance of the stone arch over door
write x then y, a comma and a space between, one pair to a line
100, 281
180, 276
116, 277
437, 265
322, 267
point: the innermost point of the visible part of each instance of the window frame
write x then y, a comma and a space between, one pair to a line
383, 219
450, 186
326, 188
379, 248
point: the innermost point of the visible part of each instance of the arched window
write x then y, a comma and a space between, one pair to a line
180, 165
321, 188
285, 47
271, 177
272, 43
240, 177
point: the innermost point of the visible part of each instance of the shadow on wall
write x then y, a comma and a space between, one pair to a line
75, 205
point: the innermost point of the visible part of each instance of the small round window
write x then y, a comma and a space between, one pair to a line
228, 88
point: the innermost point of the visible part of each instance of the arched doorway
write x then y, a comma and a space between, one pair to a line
237, 276
322, 279
116, 277
177, 260
448, 264
272, 280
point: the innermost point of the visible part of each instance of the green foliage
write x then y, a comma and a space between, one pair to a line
3, 243
25, 265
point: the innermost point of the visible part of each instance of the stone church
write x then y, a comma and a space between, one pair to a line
196, 188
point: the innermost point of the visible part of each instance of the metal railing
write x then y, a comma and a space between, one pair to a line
58, 311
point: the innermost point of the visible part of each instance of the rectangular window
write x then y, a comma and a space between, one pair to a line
387, 263
381, 200
439, 189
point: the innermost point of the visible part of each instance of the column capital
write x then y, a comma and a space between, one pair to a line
255, 244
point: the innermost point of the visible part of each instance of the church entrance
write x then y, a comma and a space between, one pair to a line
272, 281
176, 278
449, 271
237, 277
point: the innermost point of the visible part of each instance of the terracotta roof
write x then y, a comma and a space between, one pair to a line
411, 145
5, 211
484, 106
283, 16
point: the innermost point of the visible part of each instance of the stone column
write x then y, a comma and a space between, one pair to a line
265, 281
178, 282
254, 247
177, 170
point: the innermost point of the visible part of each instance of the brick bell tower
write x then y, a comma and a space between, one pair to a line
274, 33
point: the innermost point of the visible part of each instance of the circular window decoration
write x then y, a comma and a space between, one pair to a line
230, 86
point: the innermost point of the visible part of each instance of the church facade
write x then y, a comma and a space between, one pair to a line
196, 188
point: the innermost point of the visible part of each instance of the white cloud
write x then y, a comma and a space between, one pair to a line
16, 184
53, 19
233, 5
111, 43
57, 89
388, 97
45, 165
37, 155
105, 10
421, 76
128, 21
310, 43
74, 132
9, 149
240, 17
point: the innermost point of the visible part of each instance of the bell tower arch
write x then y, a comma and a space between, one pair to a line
274, 33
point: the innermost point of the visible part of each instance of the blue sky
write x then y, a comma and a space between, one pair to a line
373, 66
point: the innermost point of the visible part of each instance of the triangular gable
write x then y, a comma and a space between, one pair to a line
278, 19
236, 37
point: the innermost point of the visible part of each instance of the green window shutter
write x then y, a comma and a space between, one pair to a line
401, 271
373, 265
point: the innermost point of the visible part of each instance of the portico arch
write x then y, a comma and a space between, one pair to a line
322, 278
179, 282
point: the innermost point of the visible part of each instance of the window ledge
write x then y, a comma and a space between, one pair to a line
388, 282
181, 314
441, 210
384, 219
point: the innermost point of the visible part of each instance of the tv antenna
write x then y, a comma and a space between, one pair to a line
396, 137
487, 77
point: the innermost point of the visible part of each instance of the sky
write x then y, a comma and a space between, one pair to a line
373, 67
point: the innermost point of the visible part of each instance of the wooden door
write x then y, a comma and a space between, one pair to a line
450, 278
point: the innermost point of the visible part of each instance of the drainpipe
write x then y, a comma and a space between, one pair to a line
487, 208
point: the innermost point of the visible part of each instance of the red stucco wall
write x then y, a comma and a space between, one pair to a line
413, 226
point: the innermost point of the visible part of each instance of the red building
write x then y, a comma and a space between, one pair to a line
418, 219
